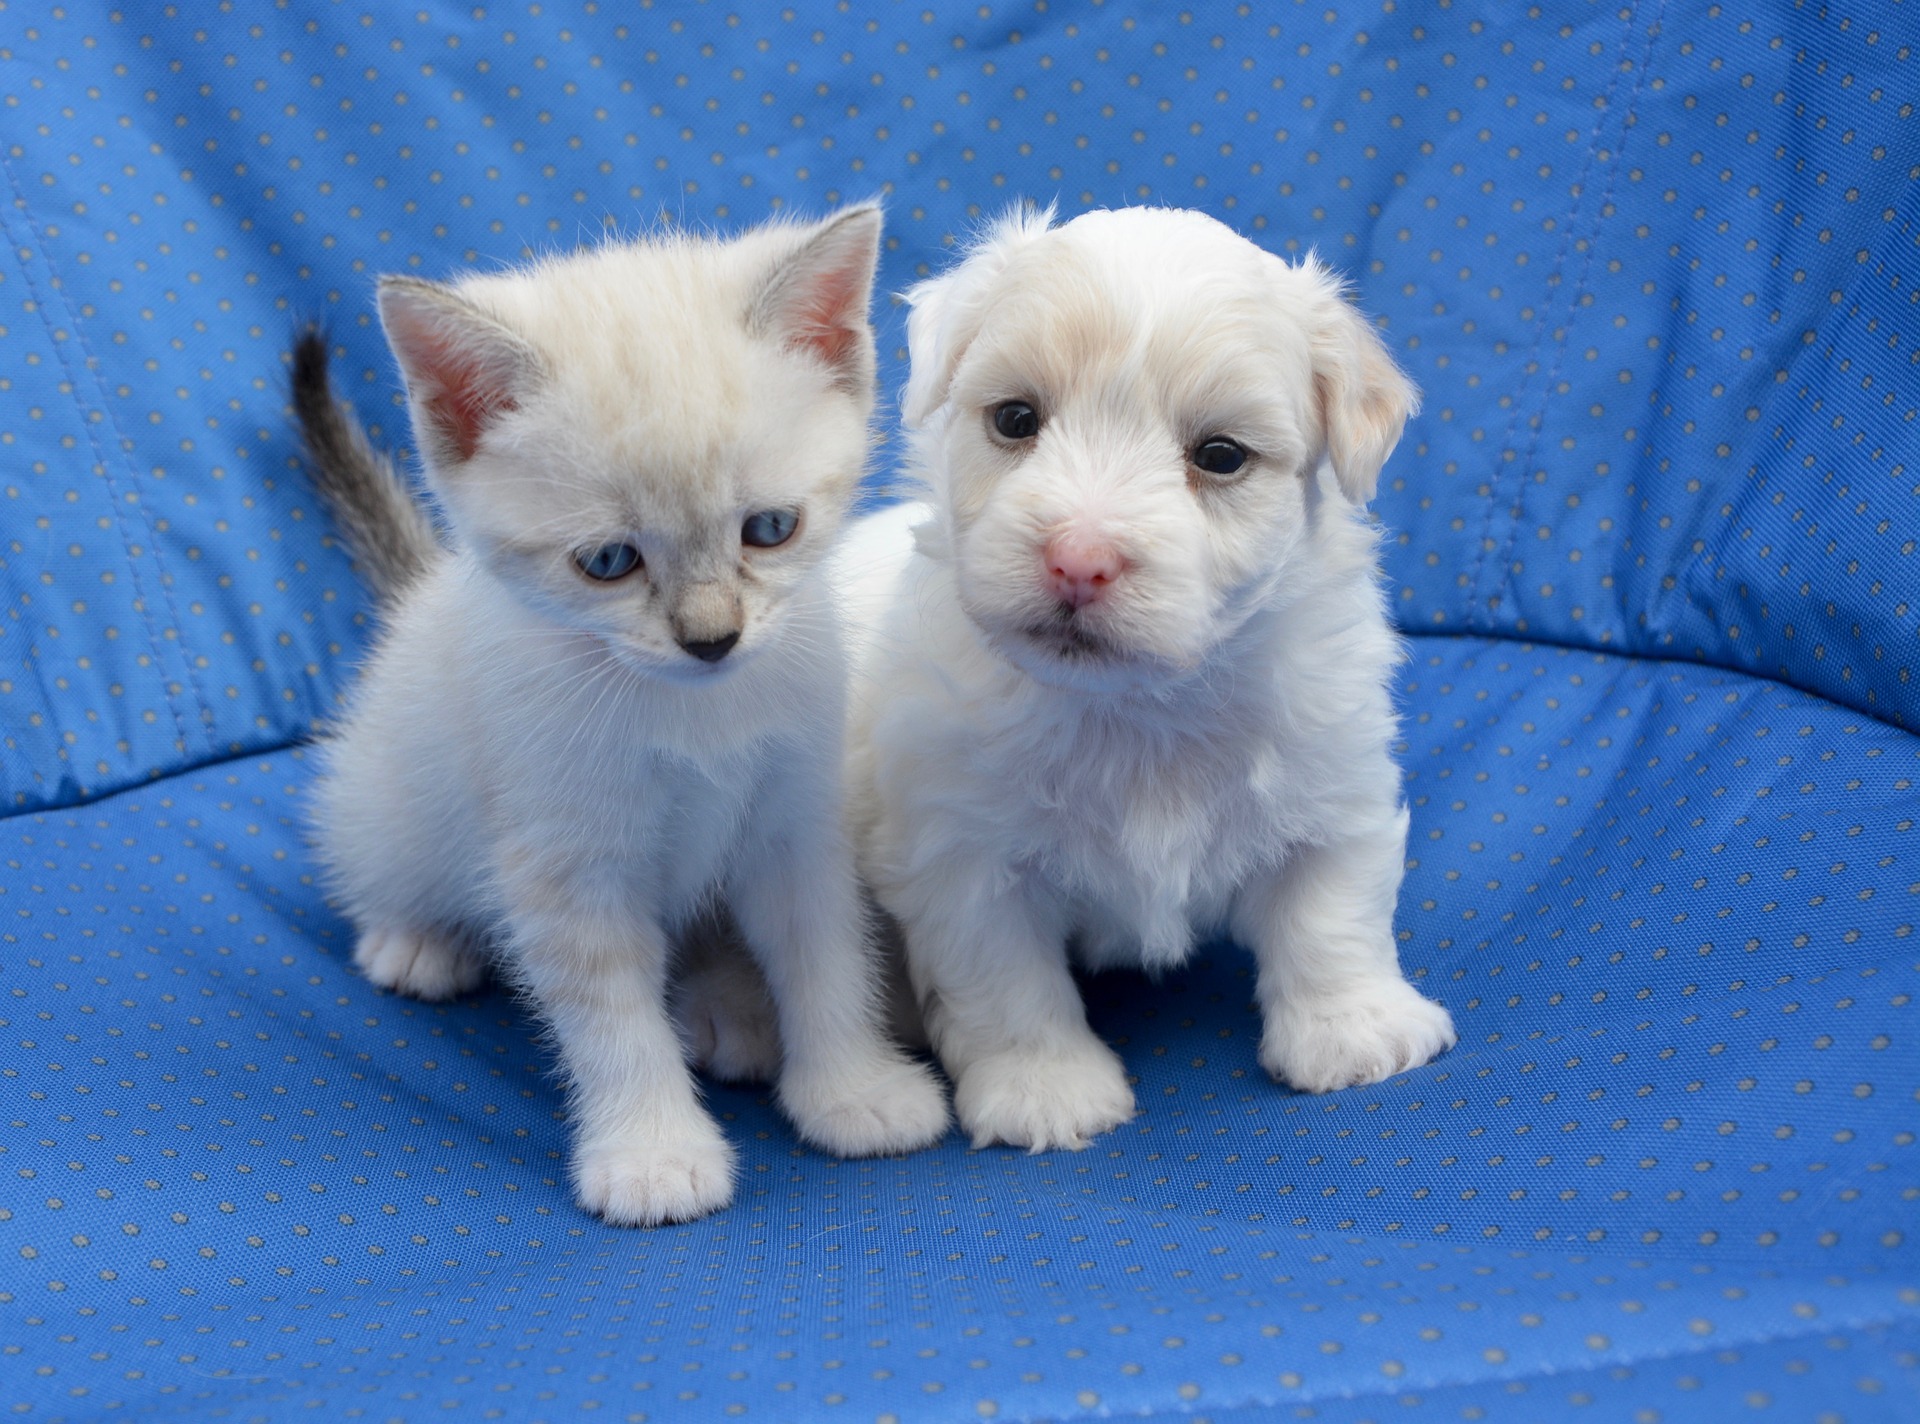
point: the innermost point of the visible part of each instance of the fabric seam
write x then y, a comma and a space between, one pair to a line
192, 768
1412, 639
1664, 659
1478, 599
1711, 559
154, 640
1586, 267
1475, 635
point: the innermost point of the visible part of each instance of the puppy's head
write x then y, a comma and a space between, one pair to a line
1125, 420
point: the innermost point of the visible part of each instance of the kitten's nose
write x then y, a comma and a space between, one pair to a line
1081, 570
712, 649
706, 618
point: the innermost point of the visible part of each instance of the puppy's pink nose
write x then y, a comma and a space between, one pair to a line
1079, 571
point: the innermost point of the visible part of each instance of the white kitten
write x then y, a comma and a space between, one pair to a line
1125, 678
617, 699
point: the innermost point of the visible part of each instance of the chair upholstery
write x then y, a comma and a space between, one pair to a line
1653, 540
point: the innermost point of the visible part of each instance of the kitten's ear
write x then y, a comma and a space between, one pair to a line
816, 300
463, 368
1365, 399
948, 310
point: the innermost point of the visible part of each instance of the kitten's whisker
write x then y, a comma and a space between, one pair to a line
589, 720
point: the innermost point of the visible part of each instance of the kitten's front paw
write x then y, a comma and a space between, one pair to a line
424, 963
1359, 1037
731, 1034
1040, 1099
893, 1105
650, 1183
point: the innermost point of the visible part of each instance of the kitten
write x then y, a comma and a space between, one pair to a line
613, 704
1124, 678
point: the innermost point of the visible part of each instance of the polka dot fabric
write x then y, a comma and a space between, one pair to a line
1654, 266
1670, 1166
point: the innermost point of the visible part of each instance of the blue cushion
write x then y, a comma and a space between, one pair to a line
1653, 535
1669, 1163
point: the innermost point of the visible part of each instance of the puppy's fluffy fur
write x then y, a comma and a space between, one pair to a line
1204, 743
557, 772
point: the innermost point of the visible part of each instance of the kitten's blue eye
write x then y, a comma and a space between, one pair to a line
608, 562
1219, 456
770, 528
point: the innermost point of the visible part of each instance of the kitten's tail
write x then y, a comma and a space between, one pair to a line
385, 527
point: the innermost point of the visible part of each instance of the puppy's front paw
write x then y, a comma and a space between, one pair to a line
424, 963
1040, 1099
1361, 1036
650, 1183
894, 1105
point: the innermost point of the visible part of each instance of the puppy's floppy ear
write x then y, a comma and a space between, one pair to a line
816, 300
463, 368
1365, 399
948, 309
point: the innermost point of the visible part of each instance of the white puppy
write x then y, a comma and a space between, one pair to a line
1125, 676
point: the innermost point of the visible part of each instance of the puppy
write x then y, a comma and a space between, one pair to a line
1123, 678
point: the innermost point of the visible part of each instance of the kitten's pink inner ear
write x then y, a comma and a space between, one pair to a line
825, 315
462, 386
817, 302
467, 403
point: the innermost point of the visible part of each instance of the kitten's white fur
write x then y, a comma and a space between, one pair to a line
1216, 754
533, 765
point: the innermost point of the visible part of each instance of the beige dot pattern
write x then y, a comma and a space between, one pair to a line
1652, 537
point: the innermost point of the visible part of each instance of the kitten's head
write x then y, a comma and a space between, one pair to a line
1124, 420
653, 441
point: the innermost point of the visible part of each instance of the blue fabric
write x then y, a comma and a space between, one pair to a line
1654, 266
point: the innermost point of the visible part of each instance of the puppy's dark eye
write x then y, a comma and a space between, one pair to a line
1016, 420
1219, 456
608, 562
770, 528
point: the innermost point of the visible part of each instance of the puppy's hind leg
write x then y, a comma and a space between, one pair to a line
1338, 1011
900, 1007
843, 1084
722, 1007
